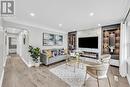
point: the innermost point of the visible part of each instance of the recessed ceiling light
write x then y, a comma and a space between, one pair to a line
60, 25
91, 14
99, 24
32, 14
74, 29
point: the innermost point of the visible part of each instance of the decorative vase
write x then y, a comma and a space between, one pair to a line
106, 34
117, 32
112, 48
118, 45
117, 38
106, 50
106, 40
105, 45
37, 64
117, 51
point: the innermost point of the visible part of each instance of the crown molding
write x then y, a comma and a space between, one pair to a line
27, 26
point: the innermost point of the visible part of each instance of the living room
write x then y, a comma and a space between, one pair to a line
65, 43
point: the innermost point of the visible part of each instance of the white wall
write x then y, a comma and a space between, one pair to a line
2, 57
128, 49
36, 34
34, 38
23, 48
123, 51
1, 54
128, 37
91, 33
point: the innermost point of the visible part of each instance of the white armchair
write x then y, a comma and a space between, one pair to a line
99, 71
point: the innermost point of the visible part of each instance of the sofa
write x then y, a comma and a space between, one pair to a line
50, 56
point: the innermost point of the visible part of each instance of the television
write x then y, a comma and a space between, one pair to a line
88, 42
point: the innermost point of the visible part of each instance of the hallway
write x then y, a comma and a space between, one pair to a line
17, 74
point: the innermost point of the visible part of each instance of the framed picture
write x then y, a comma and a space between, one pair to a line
52, 39
48, 39
59, 39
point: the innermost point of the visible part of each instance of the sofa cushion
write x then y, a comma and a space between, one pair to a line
48, 53
54, 52
62, 51
65, 51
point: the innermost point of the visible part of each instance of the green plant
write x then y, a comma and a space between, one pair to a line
35, 53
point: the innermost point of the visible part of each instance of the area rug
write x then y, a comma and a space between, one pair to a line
67, 74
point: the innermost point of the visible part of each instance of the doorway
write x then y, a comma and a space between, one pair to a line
12, 45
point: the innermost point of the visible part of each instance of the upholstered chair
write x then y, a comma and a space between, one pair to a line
99, 70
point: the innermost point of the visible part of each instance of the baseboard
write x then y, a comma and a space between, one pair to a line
1, 79
2, 76
29, 65
128, 78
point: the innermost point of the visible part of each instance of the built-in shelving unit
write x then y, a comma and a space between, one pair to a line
111, 42
72, 40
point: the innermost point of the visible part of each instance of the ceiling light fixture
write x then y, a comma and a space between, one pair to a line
91, 14
74, 29
99, 24
60, 25
32, 14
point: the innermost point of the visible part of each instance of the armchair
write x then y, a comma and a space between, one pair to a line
99, 71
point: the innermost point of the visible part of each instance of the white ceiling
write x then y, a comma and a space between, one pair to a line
73, 14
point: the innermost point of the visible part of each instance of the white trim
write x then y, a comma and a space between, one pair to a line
5, 62
123, 51
128, 78
7, 47
27, 25
29, 65
129, 23
1, 79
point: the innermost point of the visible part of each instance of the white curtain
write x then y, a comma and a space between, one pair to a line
123, 50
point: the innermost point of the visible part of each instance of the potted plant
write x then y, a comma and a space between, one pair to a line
35, 54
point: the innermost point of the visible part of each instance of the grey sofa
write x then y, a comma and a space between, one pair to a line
48, 61
53, 59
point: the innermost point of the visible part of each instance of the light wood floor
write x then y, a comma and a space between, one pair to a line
17, 74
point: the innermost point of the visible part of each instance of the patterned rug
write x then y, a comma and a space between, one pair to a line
67, 74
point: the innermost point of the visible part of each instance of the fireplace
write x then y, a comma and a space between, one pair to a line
92, 55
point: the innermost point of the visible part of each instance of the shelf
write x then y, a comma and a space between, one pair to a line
72, 40
115, 38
